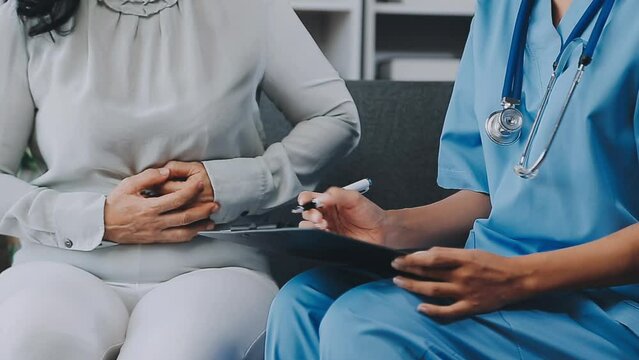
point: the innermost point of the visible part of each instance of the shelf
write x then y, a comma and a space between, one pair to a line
427, 7
325, 5
418, 68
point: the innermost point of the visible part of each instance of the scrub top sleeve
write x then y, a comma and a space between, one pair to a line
461, 158
637, 123
66, 220
314, 99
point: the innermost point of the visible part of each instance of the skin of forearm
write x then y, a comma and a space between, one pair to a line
444, 223
610, 261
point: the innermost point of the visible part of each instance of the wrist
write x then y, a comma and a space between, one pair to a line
107, 221
390, 227
208, 184
530, 280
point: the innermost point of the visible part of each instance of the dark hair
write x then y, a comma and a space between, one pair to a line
44, 16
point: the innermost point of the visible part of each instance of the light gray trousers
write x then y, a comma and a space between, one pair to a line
54, 311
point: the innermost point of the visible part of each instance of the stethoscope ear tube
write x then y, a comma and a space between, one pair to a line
514, 69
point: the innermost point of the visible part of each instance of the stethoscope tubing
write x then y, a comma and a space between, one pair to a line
522, 168
513, 82
514, 69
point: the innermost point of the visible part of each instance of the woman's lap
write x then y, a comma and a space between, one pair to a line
52, 310
377, 320
56, 311
205, 314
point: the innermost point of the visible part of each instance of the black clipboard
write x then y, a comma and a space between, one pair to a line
315, 245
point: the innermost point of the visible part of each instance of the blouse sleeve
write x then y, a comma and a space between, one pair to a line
312, 96
461, 158
40, 215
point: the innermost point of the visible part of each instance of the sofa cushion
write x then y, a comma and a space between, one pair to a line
401, 126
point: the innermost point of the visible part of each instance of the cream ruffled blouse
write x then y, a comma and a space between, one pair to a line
140, 83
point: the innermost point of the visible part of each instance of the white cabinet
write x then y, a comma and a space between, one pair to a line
336, 25
398, 39
415, 39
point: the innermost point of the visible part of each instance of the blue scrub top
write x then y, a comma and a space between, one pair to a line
588, 186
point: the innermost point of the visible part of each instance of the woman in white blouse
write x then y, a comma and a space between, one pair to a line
116, 97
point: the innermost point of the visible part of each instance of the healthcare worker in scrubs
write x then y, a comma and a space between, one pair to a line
551, 264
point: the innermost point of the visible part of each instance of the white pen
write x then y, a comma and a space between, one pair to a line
361, 186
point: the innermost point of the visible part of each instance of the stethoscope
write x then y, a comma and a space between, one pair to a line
504, 126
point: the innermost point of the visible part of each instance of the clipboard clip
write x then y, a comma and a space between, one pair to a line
254, 226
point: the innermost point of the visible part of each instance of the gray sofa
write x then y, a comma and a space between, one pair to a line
401, 125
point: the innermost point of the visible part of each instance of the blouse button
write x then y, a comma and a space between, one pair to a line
68, 244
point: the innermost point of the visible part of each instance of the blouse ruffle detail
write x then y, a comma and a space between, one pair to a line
143, 8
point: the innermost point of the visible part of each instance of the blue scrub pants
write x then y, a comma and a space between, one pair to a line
343, 314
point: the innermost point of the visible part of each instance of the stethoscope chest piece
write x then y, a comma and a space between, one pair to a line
503, 127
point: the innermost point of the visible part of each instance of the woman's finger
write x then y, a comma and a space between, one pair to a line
171, 187
181, 169
145, 180
185, 233
311, 225
177, 199
188, 216
428, 288
307, 225
331, 197
435, 257
306, 196
322, 225
454, 311
313, 215
426, 273
336, 195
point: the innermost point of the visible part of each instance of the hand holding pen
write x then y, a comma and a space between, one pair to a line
345, 212
361, 186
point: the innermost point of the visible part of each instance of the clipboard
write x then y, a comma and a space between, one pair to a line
314, 245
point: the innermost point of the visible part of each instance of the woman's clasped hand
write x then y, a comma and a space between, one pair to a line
180, 208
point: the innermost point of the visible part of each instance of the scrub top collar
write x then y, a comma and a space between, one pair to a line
546, 34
